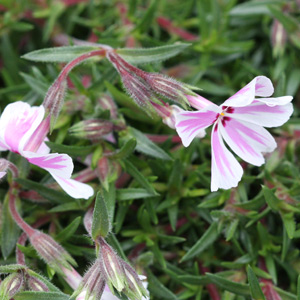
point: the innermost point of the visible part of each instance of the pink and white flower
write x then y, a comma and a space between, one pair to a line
240, 121
23, 130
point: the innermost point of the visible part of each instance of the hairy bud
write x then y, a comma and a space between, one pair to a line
93, 129
92, 284
54, 99
111, 266
11, 285
107, 103
36, 285
52, 253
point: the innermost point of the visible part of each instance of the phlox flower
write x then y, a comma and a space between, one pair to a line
240, 121
23, 130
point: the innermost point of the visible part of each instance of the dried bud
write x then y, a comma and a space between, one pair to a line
168, 87
92, 284
107, 103
11, 285
49, 250
93, 129
135, 289
111, 266
54, 99
278, 38
36, 285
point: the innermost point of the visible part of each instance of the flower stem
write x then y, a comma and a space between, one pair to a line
16, 216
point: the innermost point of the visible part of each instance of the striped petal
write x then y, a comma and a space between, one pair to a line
260, 86
226, 171
248, 140
191, 124
262, 114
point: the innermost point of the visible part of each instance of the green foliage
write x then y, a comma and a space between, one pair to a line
154, 205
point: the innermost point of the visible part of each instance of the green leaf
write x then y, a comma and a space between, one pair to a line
205, 241
101, 225
29, 295
158, 289
298, 288
11, 268
71, 150
270, 198
193, 279
58, 54
139, 177
289, 223
68, 232
146, 146
50, 194
132, 193
289, 23
255, 288
66, 207
231, 286
151, 55
10, 230
147, 20
125, 151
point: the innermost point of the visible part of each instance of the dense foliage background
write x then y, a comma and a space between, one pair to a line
191, 243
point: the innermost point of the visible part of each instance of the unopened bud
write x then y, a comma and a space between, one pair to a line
135, 288
36, 284
54, 99
107, 103
139, 91
49, 250
278, 38
168, 87
111, 266
11, 285
92, 284
93, 129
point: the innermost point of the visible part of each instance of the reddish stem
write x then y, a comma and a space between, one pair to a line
16, 216
211, 288
65, 71
162, 138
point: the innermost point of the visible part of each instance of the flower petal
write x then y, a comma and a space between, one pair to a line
17, 123
248, 140
226, 171
74, 188
262, 114
276, 101
259, 86
190, 124
55, 163
198, 101
2, 174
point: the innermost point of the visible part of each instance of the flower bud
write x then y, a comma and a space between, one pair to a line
107, 103
11, 285
52, 253
36, 285
92, 284
54, 99
168, 87
93, 129
198, 101
278, 38
111, 266
135, 289
7, 165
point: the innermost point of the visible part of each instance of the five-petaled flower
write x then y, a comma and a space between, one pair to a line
23, 130
239, 121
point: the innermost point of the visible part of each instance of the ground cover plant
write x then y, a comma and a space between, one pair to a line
149, 149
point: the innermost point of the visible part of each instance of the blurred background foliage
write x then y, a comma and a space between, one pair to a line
191, 243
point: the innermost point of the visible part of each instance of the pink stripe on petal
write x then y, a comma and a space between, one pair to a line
55, 163
261, 114
248, 140
190, 124
263, 86
226, 171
